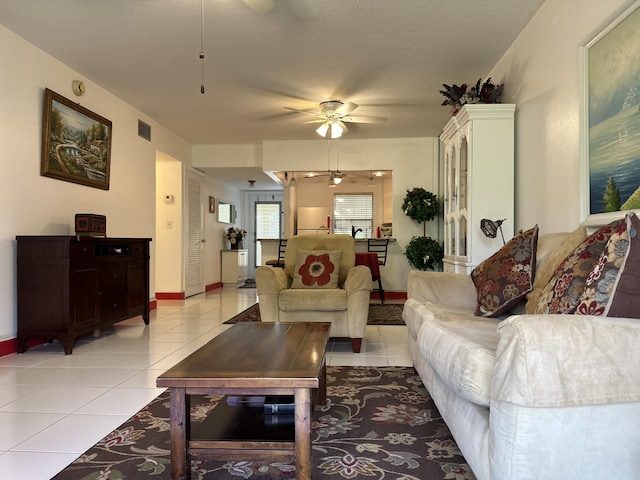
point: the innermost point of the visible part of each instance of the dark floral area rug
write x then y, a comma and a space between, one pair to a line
379, 423
379, 314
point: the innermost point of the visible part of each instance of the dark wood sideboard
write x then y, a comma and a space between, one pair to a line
70, 286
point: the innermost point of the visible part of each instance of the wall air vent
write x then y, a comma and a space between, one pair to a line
144, 130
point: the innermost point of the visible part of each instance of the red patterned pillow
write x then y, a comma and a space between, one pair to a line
503, 279
612, 286
563, 292
317, 269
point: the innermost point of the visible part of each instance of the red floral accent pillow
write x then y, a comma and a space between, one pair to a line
563, 292
506, 277
612, 286
317, 269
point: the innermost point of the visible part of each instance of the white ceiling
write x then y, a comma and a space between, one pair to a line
388, 56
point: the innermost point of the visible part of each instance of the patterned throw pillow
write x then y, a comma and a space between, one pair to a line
612, 286
503, 279
563, 292
317, 269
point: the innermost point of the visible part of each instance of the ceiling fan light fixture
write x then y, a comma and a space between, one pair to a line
371, 182
336, 180
336, 130
323, 129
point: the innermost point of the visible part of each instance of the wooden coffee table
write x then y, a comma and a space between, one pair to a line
250, 358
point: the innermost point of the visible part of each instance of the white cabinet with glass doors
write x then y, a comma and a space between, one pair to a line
478, 153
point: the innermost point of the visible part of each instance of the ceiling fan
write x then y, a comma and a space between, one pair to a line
333, 115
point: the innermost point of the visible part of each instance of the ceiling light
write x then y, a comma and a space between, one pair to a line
336, 180
252, 183
332, 185
336, 130
293, 182
334, 127
378, 173
323, 129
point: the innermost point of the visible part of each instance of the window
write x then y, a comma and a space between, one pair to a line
267, 224
353, 211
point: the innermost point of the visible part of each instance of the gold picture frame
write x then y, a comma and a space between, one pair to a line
76, 143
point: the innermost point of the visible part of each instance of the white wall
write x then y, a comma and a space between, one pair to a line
31, 204
169, 241
541, 77
214, 231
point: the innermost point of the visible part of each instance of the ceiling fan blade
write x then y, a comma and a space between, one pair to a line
316, 175
260, 6
306, 112
318, 120
356, 119
346, 108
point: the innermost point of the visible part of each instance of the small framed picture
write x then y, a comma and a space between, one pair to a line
212, 205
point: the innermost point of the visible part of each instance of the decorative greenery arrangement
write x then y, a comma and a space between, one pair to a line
420, 206
235, 235
457, 96
424, 253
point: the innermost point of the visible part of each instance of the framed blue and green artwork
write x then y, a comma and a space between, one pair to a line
610, 120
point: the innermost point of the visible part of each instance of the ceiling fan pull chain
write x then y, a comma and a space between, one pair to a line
202, 46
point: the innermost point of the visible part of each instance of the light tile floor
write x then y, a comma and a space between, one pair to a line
54, 407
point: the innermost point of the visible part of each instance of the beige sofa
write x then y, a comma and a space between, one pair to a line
346, 306
529, 396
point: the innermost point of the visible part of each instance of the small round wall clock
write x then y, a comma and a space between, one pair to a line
78, 88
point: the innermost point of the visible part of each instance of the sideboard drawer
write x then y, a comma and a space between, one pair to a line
113, 275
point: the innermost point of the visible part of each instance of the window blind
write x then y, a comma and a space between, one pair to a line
353, 211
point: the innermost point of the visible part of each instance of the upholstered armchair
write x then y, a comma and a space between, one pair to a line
319, 283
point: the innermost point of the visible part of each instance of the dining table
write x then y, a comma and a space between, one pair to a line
369, 259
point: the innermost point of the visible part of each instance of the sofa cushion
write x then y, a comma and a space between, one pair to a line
317, 269
461, 349
548, 261
626, 301
318, 299
562, 293
616, 275
503, 279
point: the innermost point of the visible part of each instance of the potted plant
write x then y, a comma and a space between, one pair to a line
458, 96
421, 206
422, 252
235, 236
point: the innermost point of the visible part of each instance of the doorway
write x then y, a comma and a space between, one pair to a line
265, 222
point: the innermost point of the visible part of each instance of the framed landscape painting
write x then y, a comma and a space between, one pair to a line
76, 143
611, 118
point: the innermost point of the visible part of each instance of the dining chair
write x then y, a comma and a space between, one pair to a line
282, 248
379, 246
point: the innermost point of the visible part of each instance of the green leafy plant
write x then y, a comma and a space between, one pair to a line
420, 205
424, 253
458, 96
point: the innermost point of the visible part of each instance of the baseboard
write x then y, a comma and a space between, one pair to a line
170, 296
8, 347
213, 286
389, 295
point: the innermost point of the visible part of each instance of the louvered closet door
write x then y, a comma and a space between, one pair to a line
194, 282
